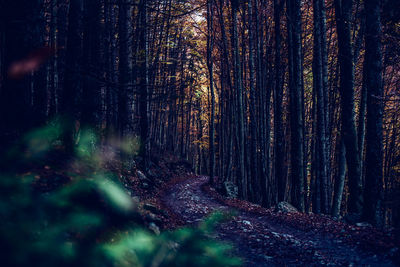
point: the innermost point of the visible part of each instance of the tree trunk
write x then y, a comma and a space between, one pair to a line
125, 90
296, 111
210, 46
144, 88
92, 64
373, 194
339, 182
343, 10
72, 87
254, 181
319, 87
280, 175
111, 75
239, 102
22, 95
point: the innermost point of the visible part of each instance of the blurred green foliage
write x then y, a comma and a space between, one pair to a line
91, 220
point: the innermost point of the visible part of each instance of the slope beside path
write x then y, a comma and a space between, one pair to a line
265, 239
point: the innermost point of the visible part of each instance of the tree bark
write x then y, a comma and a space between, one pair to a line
296, 110
343, 10
339, 182
280, 175
210, 46
373, 194
239, 102
125, 90
319, 87
254, 181
73, 86
144, 103
92, 64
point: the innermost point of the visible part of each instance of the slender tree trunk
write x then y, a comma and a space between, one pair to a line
92, 63
239, 102
72, 87
373, 194
319, 87
125, 90
210, 47
343, 10
111, 74
296, 111
144, 103
22, 99
339, 183
280, 175
254, 181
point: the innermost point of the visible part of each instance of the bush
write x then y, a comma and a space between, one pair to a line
88, 220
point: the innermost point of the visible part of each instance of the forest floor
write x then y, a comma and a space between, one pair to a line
173, 197
263, 237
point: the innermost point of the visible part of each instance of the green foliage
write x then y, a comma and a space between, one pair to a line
39, 141
130, 145
86, 144
184, 247
91, 220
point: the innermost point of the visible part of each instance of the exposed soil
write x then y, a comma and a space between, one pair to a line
266, 238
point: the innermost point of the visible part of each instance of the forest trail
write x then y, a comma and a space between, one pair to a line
261, 241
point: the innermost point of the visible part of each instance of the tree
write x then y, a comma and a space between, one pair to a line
280, 176
319, 60
239, 102
343, 9
144, 88
255, 183
73, 83
125, 90
373, 196
22, 92
210, 46
296, 104
110, 53
92, 63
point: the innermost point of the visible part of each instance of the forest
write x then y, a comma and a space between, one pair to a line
195, 133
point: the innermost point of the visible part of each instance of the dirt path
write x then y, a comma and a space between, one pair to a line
260, 240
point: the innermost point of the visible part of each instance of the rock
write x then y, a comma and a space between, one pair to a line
145, 185
268, 258
363, 224
131, 179
285, 207
132, 165
150, 207
153, 227
352, 218
151, 174
337, 218
141, 176
163, 213
246, 222
173, 245
231, 190
155, 210
394, 251
129, 164
195, 198
153, 218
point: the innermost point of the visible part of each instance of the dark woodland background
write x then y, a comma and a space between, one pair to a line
275, 100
